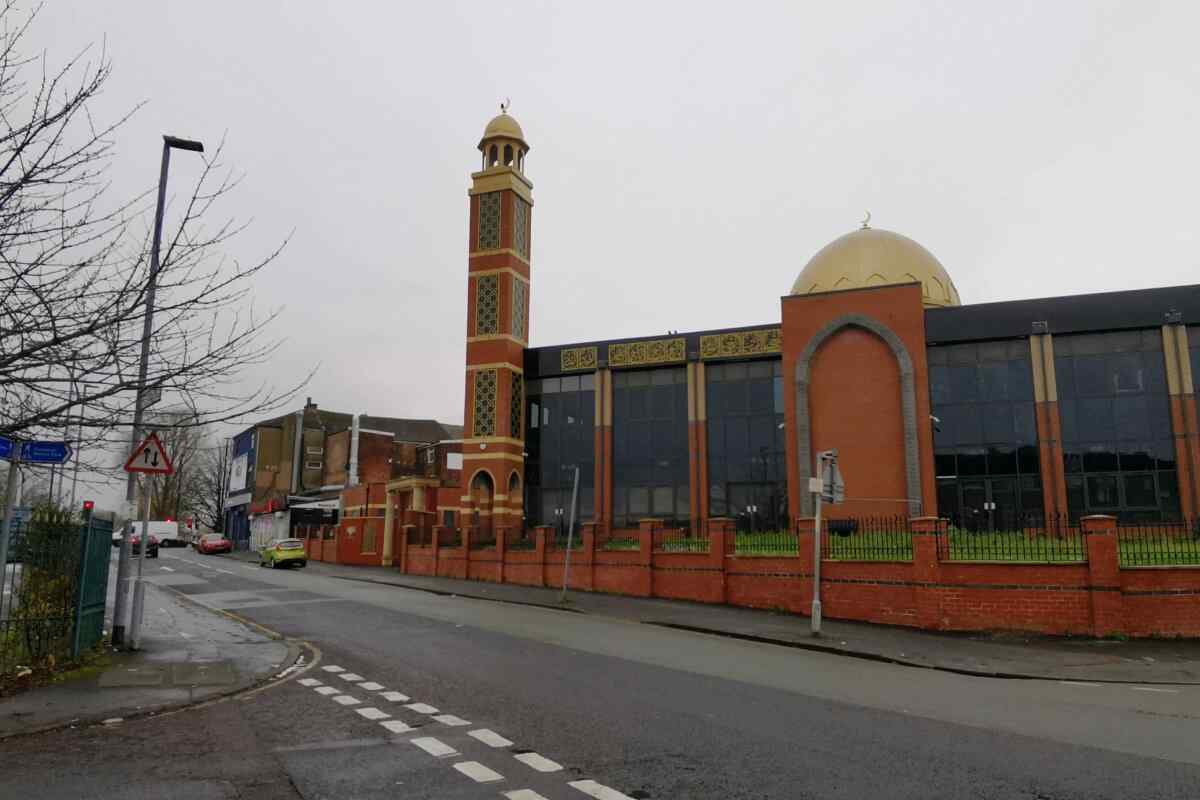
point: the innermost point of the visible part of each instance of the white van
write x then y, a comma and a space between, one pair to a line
167, 533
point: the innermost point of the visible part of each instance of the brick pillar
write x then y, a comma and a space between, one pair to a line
435, 537
501, 546
540, 534
1104, 574
722, 534
646, 553
587, 555
926, 531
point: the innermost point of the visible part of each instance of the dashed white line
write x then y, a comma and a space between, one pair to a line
309, 682
345, 700
523, 794
371, 686
395, 697
478, 772
1155, 689
598, 790
333, 668
326, 690
396, 726
490, 738
538, 762
1081, 683
422, 708
166, 569
451, 720
372, 713
350, 676
434, 747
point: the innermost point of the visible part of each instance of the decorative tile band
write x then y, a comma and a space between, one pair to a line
656, 351
745, 343
577, 358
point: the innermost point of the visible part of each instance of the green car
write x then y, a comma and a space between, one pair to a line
282, 553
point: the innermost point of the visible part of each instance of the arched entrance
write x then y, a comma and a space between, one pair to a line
483, 490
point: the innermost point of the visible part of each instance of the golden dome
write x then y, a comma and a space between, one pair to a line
874, 257
502, 125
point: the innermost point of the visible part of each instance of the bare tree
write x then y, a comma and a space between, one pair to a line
74, 266
212, 486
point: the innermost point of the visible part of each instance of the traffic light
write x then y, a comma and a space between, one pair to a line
88, 506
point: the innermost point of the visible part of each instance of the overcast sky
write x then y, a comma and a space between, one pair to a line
687, 158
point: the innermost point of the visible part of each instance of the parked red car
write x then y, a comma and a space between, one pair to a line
213, 543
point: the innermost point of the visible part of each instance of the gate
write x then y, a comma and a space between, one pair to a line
54, 589
96, 545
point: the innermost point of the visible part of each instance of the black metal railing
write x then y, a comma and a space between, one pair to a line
678, 540
621, 544
1032, 538
420, 537
763, 543
561, 541
867, 539
1159, 544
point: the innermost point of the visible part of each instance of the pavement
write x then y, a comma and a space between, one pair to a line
424, 695
1140, 661
188, 654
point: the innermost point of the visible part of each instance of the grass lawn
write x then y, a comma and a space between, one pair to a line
622, 544
1159, 551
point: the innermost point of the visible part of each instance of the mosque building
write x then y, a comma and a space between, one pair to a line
986, 414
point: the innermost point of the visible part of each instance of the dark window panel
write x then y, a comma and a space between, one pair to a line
1168, 490
1100, 458
1024, 423
944, 463
1134, 456
993, 382
972, 461
1102, 492
998, 423
1094, 418
1131, 417
1140, 491
1029, 461
1002, 460
1075, 495
1164, 454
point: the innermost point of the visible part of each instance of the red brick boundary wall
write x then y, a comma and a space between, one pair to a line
1096, 598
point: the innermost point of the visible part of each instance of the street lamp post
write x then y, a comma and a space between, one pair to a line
169, 142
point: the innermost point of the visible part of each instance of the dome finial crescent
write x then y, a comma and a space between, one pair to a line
866, 223
504, 106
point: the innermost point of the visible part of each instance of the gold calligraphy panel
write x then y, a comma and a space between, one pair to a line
742, 343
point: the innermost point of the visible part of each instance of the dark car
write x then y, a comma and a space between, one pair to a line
135, 546
211, 543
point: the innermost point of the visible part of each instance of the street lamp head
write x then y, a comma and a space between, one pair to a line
183, 144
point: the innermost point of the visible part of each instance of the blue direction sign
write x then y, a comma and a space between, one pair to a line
6, 447
45, 452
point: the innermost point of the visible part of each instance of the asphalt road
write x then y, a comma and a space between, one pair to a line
536, 703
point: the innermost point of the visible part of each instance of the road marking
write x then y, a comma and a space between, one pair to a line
421, 708
523, 794
451, 720
185, 635
478, 772
490, 738
166, 569
372, 713
434, 747
538, 762
1081, 683
309, 682
350, 676
395, 697
371, 686
345, 700
333, 668
396, 726
325, 690
598, 790
1155, 689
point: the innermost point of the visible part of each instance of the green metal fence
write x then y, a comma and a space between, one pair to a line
52, 590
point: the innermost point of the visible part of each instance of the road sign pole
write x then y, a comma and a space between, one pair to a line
10, 504
816, 601
139, 588
562, 598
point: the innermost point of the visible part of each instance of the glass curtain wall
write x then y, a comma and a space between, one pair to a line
650, 446
985, 434
747, 467
1118, 451
560, 432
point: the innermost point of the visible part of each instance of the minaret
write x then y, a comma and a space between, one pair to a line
497, 329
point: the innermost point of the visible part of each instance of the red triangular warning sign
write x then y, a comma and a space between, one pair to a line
150, 457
